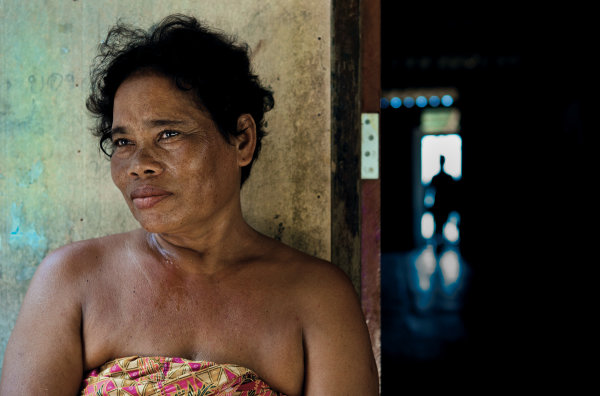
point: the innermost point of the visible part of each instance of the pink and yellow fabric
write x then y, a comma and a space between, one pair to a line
154, 376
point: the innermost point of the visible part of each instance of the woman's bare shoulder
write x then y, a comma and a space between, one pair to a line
55, 302
82, 256
334, 332
312, 275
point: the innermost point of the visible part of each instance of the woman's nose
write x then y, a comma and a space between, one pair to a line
145, 164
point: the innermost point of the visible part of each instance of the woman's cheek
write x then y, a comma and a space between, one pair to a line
118, 172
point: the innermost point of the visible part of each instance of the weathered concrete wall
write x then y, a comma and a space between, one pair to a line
55, 187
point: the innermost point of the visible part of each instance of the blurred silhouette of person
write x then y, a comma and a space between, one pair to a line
444, 186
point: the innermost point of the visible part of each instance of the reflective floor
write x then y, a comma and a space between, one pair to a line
423, 327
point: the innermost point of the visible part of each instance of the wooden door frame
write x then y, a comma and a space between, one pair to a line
356, 203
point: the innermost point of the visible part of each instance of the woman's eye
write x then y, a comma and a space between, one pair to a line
168, 134
120, 142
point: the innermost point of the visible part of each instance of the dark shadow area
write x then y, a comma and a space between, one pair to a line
523, 84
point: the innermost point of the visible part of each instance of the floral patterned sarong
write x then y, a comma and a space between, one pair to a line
163, 376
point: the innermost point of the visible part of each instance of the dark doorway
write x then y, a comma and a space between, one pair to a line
518, 84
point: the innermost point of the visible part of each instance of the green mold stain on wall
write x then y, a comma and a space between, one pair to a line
26, 240
31, 175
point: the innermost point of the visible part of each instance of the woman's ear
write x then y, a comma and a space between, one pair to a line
245, 142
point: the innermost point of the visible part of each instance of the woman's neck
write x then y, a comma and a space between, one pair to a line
207, 249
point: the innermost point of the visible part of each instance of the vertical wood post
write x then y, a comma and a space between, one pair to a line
370, 94
356, 89
345, 135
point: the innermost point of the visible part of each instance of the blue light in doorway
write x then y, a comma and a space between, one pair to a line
384, 103
434, 101
447, 100
421, 101
425, 266
409, 102
396, 102
429, 198
450, 231
451, 271
427, 225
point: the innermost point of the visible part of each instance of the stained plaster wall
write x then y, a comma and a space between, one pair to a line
55, 187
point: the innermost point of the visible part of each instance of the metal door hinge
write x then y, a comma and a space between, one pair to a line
369, 147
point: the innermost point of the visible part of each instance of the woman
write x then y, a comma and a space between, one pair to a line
196, 301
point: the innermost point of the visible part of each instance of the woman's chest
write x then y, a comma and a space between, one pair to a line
250, 326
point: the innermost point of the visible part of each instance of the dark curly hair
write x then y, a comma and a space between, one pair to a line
208, 63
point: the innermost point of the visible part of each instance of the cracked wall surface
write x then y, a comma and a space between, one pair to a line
55, 187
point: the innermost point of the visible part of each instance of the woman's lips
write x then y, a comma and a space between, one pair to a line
148, 202
147, 196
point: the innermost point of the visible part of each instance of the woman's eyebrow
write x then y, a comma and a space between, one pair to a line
119, 130
164, 122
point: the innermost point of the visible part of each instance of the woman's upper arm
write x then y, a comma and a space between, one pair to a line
44, 351
338, 355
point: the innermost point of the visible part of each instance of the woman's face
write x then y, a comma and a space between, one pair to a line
170, 162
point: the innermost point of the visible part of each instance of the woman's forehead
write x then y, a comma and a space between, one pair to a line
150, 85
155, 97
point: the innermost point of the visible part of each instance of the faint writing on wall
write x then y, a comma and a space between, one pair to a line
52, 82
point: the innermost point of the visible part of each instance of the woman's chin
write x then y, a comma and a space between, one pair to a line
151, 230
154, 225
